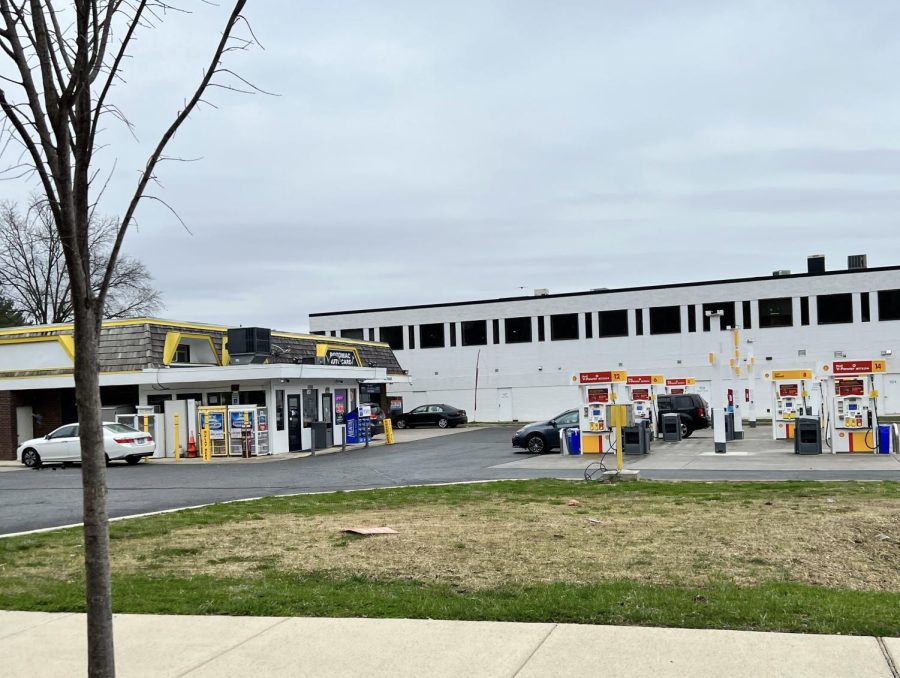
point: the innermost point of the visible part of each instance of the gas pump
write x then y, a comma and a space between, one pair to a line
598, 390
791, 398
680, 386
852, 412
642, 392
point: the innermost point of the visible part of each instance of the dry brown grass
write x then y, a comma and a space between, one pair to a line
848, 543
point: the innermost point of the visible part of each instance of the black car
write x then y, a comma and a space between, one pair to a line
432, 415
543, 436
376, 420
690, 408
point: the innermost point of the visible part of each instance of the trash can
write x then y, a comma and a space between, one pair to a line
573, 439
636, 439
884, 438
320, 435
729, 427
671, 427
808, 435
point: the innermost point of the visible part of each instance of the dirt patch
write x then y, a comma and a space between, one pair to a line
851, 544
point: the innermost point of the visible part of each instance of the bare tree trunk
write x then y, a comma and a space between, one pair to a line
101, 656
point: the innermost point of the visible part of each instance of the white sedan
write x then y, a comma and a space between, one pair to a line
64, 445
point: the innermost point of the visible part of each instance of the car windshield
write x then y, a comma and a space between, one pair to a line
119, 428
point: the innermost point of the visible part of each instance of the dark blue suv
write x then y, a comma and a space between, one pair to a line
543, 436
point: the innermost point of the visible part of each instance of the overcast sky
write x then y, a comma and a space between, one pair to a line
427, 152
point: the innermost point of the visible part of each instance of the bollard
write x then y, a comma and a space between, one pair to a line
388, 432
177, 440
344, 439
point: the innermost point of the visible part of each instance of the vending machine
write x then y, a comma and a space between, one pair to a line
791, 398
852, 412
248, 431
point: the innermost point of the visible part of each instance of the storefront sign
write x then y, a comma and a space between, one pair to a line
340, 405
340, 358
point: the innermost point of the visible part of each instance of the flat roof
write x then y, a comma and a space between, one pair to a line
642, 288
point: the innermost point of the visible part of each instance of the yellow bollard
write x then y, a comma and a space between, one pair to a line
388, 432
618, 419
177, 440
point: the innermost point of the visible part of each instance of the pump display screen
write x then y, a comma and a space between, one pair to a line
849, 387
640, 394
851, 408
788, 390
598, 395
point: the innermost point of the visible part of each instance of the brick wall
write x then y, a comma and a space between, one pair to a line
7, 425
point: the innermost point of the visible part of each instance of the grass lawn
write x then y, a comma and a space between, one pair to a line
788, 556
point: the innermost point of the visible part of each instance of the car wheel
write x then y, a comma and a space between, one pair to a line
536, 444
132, 460
31, 458
443, 423
686, 430
401, 423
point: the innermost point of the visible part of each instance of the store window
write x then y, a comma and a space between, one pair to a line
495, 327
865, 311
563, 327
692, 318
588, 325
665, 320
431, 335
392, 336
612, 323
474, 332
748, 318
834, 309
639, 321
157, 401
727, 308
453, 334
411, 343
889, 304
356, 333
279, 410
541, 331
776, 312
804, 310
518, 330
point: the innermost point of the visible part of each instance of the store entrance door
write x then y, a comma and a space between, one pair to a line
294, 423
310, 408
328, 418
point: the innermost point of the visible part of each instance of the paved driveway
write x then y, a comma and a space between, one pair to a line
46, 498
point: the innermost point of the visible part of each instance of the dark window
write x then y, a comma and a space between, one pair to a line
804, 310
279, 410
355, 333
257, 398
638, 321
453, 334
541, 333
495, 327
889, 305
333, 333
683, 403
474, 333
777, 312
518, 330
182, 354
833, 309
865, 311
321, 333
371, 334
612, 323
431, 335
588, 325
692, 318
665, 320
748, 317
412, 336
563, 326
727, 308
392, 336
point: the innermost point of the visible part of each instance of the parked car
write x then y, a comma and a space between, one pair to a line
690, 408
543, 436
64, 445
376, 420
432, 415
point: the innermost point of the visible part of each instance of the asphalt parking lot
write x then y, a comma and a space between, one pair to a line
48, 498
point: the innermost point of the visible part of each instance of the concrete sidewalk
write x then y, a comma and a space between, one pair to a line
36, 644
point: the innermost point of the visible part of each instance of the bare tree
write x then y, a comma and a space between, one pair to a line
33, 273
63, 63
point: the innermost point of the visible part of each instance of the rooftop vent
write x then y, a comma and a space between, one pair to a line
249, 345
857, 262
782, 272
815, 263
541, 292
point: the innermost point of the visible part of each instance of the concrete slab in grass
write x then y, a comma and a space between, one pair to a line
893, 648
145, 645
13, 622
382, 647
573, 650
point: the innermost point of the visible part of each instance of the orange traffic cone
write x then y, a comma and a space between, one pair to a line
192, 447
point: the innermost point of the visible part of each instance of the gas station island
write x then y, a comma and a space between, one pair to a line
198, 389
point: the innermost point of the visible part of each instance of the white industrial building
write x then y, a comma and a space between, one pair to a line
523, 351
